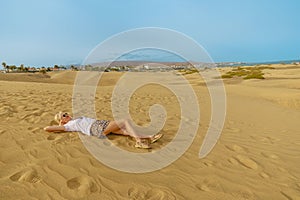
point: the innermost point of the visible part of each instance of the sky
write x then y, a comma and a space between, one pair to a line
47, 32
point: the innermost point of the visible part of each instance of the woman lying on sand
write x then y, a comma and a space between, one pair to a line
100, 128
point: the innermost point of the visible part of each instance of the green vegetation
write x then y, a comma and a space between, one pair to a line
43, 70
188, 71
247, 72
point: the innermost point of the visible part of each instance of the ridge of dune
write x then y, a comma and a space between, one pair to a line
62, 77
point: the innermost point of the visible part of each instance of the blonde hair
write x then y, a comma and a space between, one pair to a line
58, 116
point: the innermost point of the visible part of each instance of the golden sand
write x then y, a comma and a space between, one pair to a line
256, 157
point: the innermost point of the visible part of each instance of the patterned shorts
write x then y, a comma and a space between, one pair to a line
98, 127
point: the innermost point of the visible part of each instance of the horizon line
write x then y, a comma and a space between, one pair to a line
157, 61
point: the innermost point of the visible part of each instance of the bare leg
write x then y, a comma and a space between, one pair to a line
124, 128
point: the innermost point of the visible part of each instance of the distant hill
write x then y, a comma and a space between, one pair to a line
134, 63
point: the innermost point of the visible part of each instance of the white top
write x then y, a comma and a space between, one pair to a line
81, 124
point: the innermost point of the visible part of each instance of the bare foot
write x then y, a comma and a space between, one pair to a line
155, 137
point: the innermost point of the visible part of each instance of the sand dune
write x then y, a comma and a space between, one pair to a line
257, 156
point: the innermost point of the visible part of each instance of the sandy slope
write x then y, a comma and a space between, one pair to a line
257, 156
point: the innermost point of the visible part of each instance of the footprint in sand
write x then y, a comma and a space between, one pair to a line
54, 137
63, 138
2, 131
154, 194
6, 111
33, 153
32, 119
247, 162
208, 163
203, 187
28, 175
233, 130
269, 139
35, 129
235, 148
281, 169
264, 175
233, 161
82, 186
134, 193
209, 184
270, 155
290, 194
243, 194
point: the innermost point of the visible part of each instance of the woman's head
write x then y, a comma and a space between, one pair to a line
62, 118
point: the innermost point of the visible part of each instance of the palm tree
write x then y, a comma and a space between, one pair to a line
56, 67
43, 70
4, 66
13, 67
22, 67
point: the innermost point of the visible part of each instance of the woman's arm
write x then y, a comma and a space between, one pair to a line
54, 128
